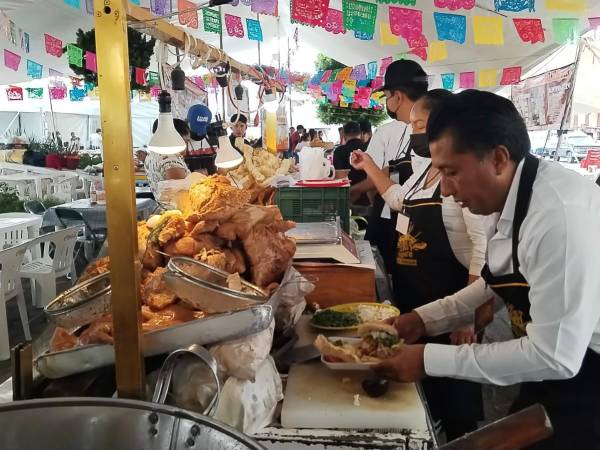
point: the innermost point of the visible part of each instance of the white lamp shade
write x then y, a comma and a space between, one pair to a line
227, 156
166, 140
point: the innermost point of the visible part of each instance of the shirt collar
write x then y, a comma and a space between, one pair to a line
505, 223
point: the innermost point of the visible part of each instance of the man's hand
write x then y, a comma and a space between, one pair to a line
410, 327
407, 365
361, 160
464, 335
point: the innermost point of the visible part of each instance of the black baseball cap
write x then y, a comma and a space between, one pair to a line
404, 73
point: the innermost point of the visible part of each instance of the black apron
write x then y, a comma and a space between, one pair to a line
427, 270
573, 405
382, 232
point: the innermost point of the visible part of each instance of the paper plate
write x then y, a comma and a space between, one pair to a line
350, 307
347, 365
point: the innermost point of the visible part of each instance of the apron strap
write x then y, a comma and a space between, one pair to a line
528, 174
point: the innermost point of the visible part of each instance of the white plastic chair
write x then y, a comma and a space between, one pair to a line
13, 235
56, 261
11, 260
65, 189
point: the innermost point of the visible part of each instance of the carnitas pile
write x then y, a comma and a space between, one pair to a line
215, 224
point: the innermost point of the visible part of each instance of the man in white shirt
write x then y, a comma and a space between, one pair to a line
96, 139
542, 262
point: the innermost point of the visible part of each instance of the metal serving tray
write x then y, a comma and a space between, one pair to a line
210, 330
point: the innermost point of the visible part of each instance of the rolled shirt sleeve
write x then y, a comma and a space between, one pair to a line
477, 235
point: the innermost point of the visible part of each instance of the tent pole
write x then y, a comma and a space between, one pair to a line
121, 212
222, 89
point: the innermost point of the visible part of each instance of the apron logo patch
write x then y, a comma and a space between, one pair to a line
516, 320
408, 245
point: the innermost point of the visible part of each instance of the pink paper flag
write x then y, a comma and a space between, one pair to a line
188, 14
53, 45
418, 42
310, 12
385, 62
467, 80
406, 22
334, 23
377, 83
264, 7
511, 75
234, 26
594, 22
11, 60
453, 5
14, 93
326, 75
90, 61
58, 93
530, 30
155, 91
421, 52
140, 76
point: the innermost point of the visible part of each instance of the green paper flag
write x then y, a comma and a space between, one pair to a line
212, 21
399, 2
75, 55
35, 93
565, 30
153, 79
359, 16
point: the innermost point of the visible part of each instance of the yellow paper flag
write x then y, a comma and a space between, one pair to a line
567, 5
343, 104
438, 51
344, 74
488, 78
385, 35
488, 30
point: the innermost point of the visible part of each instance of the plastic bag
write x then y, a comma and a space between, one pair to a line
288, 301
169, 190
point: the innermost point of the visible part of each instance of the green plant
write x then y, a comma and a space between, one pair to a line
51, 201
140, 52
9, 200
86, 160
331, 114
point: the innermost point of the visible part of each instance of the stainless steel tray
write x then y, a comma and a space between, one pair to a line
213, 329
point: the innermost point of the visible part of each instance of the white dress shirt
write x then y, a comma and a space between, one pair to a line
559, 252
156, 166
466, 232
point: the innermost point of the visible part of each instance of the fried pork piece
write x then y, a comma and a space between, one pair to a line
101, 265
98, 332
342, 352
174, 228
214, 199
250, 216
155, 292
215, 258
167, 317
269, 253
189, 246
204, 226
235, 262
62, 340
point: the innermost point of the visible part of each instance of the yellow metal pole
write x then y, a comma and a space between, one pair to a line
113, 81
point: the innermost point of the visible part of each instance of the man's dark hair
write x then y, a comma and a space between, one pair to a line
432, 99
351, 129
365, 126
413, 91
239, 118
180, 125
312, 133
300, 127
478, 122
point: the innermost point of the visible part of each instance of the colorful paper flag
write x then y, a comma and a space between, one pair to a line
467, 80
349, 88
310, 12
212, 21
334, 22
530, 30
14, 93
372, 70
75, 55
234, 26
34, 70
344, 74
359, 16
135, 2
35, 93
77, 94
594, 22
448, 81
153, 79
377, 83
488, 30
155, 91
385, 62
514, 5
254, 30
55, 73
264, 7
188, 14
450, 27
89, 6
25, 42
326, 76
385, 35
488, 78
11, 60
453, 5
140, 76
565, 30
405, 22
359, 73
90, 61
363, 36
58, 93
73, 3
566, 5
161, 7
421, 52
511, 75
438, 51
53, 45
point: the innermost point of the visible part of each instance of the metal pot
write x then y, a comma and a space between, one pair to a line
115, 424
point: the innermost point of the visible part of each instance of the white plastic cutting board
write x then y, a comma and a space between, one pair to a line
318, 397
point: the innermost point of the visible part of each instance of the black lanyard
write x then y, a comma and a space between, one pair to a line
416, 188
403, 149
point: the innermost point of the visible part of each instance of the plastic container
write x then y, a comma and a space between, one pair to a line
313, 204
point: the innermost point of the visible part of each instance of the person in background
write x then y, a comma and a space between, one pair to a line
320, 135
315, 141
342, 153
342, 137
59, 141
96, 139
295, 137
140, 157
166, 167
441, 249
366, 132
290, 150
304, 142
239, 125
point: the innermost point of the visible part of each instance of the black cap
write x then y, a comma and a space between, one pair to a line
239, 118
404, 73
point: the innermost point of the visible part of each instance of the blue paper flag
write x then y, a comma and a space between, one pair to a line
254, 30
77, 94
363, 36
34, 70
448, 81
450, 27
135, 2
72, 3
514, 5
363, 83
372, 70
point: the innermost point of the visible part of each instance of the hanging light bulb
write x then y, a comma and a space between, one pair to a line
270, 100
166, 140
227, 156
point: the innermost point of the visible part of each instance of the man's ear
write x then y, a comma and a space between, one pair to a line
501, 159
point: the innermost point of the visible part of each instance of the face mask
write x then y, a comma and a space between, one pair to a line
420, 145
390, 113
